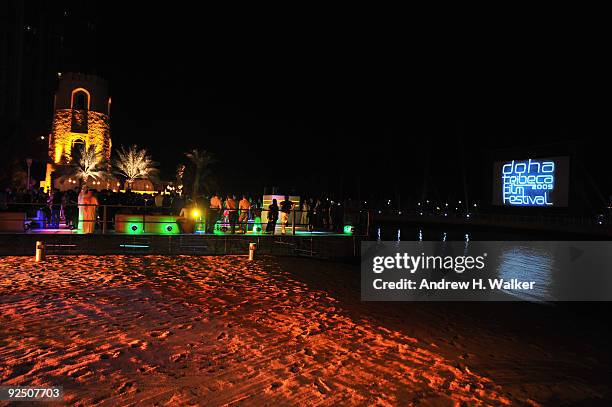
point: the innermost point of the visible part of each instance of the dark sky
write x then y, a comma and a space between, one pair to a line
319, 106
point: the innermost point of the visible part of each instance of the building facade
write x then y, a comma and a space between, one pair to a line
81, 118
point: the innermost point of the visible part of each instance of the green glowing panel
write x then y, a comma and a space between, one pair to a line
257, 226
154, 224
348, 229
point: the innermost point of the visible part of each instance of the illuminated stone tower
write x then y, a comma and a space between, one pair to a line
80, 118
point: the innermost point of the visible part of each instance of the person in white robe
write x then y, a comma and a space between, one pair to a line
89, 212
305, 208
80, 202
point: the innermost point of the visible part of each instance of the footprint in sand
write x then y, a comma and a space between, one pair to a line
138, 344
160, 335
321, 386
125, 387
178, 357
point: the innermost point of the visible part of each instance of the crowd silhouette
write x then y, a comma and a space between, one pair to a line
74, 208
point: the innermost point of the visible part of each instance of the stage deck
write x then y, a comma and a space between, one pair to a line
322, 245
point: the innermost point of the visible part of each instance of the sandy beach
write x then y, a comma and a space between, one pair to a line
185, 330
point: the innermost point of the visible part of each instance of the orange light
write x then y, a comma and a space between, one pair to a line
80, 90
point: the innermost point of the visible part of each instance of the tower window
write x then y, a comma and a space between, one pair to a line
80, 99
77, 148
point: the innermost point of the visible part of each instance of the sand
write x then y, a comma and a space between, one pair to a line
184, 330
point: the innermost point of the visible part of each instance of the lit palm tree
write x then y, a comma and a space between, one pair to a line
201, 160
180, 172
133, 164
87, 165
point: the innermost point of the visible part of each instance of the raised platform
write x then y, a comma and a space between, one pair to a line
322, 245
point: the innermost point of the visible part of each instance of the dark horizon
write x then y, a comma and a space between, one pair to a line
349, 117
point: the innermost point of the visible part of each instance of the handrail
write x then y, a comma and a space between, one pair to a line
294, 219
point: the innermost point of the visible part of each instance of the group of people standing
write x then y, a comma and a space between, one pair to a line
274, 209
313, 213
322, 214
236, 213
77, 207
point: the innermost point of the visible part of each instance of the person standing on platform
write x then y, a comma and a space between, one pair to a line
177, 203
70, 209
244, 205
285, 209
214, 212
56, 208
232, 211
185, 220
272, 216
159, 200
304, 212
80, 203
318, 213
312, 215
90, 204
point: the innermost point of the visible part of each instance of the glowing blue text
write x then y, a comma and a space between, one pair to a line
528, 183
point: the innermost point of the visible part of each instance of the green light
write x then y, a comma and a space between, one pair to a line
348, 229
217, 229
153, 224
257, 226
200, 227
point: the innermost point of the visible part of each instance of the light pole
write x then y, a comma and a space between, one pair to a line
29, 162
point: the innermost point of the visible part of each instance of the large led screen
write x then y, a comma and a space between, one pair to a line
541, 182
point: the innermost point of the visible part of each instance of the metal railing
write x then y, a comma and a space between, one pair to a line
45, 216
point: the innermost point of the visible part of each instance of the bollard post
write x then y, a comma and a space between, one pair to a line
293, 228
40, 251
252, 248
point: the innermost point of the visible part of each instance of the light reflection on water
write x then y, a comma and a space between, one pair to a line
527, 264
516, 261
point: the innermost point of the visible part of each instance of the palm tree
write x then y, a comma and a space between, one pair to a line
88, 164
201, 160
180, 172
133, 164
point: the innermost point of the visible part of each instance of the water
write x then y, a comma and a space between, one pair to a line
518, 261
461, 233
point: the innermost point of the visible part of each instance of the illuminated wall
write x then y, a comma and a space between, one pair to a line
81, 115
62, 136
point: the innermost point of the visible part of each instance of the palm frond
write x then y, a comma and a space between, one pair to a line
134, 163
88, 164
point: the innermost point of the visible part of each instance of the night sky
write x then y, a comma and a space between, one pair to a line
317, 106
